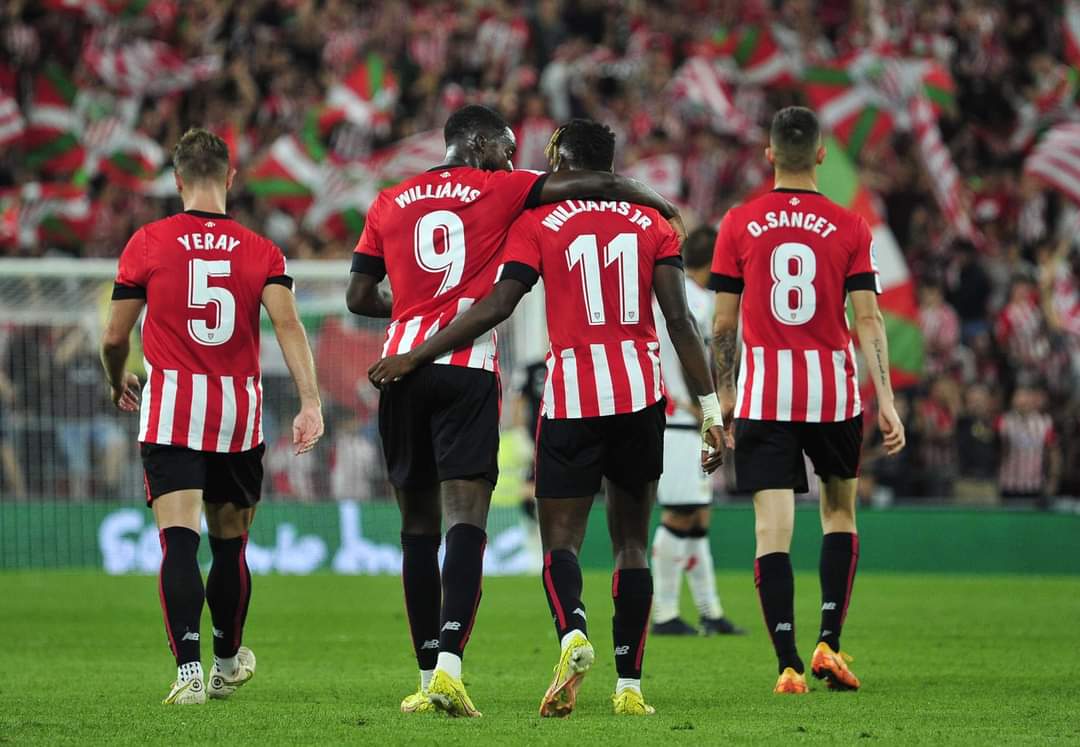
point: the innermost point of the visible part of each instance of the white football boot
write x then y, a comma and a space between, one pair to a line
189, 692
222, 686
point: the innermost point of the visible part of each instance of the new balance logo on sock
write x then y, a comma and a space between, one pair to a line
433, 643
782, 627
218, 633
579, 611
452, 625
622, 650
828, 606
189, 636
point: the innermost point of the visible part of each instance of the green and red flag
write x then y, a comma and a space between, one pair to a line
131, 160
839, 181
855, 114
58, 215
368, 94
51, 141
287, 176
754, 52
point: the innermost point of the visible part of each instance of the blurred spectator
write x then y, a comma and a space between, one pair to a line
935, 420
1030, 462
977, 449
940, 326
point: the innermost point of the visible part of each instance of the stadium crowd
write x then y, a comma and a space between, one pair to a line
996, 410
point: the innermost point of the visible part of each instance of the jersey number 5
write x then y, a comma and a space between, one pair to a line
451, 260
794, 299
623, 249
201, 295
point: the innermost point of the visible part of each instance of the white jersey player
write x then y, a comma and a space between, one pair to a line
681, 542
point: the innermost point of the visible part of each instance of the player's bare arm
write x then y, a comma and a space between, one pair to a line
875, 347
115, 347
483, 316
280, 304
725, 345
670, 293
366, 298
567, 184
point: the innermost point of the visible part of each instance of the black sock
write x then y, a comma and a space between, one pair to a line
562, 582
228, 593
839, 557
462, 574
180, 587
631, 589
776, 589
423, 594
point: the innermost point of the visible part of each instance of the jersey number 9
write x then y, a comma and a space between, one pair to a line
451, 260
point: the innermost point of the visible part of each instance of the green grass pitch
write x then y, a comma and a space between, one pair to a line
980, 660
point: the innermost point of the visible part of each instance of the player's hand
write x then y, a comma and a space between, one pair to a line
891, 428
676, 222
391, 369
307, 428
727, 408
712, 449
126, 398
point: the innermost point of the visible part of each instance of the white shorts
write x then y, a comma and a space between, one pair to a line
683, 483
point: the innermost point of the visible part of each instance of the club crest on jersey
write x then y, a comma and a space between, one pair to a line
208, 242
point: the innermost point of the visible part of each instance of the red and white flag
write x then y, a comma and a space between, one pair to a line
701, 83
1071, 29
408, 157
949, 191
662, 172
12, 124
147, 66
1056, 160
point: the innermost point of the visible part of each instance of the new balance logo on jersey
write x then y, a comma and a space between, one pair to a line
189, 636
452, 625
579, 611
828, 606
782, 627
622, 650
433, 645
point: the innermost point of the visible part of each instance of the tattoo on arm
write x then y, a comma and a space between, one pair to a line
883, 374
724, 352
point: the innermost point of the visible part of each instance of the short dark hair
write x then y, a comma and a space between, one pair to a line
794, 138
585, 143
697, 250
473, 119
200, 155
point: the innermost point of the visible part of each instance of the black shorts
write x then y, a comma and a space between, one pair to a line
230, 477
440, 423
572, 455
769, 453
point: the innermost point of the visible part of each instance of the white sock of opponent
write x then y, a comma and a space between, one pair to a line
702, 577
669, 555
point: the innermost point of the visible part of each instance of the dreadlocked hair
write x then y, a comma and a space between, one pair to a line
587, 144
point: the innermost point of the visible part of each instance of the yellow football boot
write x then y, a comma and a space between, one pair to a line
791, 682
575, 661
630, 702
832, 667
418, 702
448, 694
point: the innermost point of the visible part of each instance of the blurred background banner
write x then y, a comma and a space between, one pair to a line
953, 128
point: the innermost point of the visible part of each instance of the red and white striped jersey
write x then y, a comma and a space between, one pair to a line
438, 237
597, 260
202, 275
1025, 441
793, 255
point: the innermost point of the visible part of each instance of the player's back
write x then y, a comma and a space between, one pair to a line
794, 255
202, 275
438, 236
597, 260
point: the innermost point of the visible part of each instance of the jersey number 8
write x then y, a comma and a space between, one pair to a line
794, 299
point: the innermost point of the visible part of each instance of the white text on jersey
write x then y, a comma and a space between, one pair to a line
462, 192
791, 219
567, 210
208, 242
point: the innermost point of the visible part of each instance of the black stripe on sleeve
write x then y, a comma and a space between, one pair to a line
533, 198
521, 272
368, 264
725, 283
280, 280
123, 292
864, 281
673, 261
